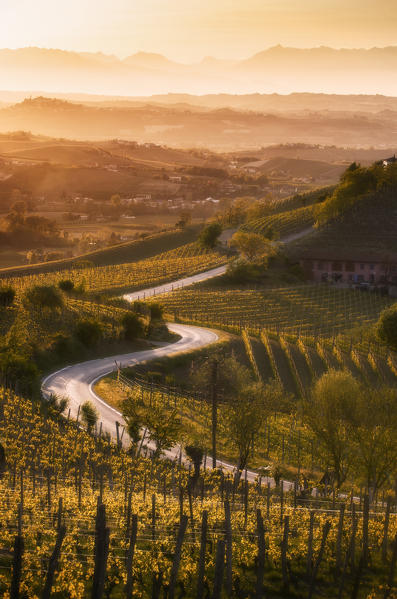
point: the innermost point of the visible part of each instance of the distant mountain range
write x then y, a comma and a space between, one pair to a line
278, 69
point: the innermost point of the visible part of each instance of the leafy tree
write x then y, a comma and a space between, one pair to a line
372, 419
326, 412
209, 235
44, 296
89, 415
132, 326
7, 296
164, 427
251, 245
134, 420
66, 285
386, 327
89, 332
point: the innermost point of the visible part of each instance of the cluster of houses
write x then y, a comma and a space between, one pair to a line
364, 271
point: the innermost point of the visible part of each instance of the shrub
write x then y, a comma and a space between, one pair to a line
7, 296
209, 235
156, 311
386, 327
44, 296
66, 285
132, 326
89, 333
89, 415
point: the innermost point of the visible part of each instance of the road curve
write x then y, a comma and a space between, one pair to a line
185, 282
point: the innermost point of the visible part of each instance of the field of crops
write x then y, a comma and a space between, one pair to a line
153, 532
185, 260
310, 310
297, 362
284, 223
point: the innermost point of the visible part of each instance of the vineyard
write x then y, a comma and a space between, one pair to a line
185, 260
309, 310
284, 223
81, 517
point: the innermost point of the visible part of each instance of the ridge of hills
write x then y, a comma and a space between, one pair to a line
181, 126
314, 69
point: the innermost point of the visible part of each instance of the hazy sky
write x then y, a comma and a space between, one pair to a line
188, 30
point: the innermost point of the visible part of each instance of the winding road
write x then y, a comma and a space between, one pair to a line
76, 382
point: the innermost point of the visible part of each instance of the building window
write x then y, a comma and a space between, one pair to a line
372, 266
362, 266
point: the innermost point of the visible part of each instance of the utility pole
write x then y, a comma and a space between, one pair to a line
214, 402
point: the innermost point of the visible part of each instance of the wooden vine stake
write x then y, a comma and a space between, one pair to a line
130, 556
53, 563
177, 556
101, 552
201, 565
17, 559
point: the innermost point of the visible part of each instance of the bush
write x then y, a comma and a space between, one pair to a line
156, 311
66, 285
240, 272
7, 296
132, 326
19, 372
89, 333
44, 296
386, 327
89, 415
209, 235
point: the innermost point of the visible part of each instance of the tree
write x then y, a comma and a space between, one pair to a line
132, 326
386, 327
89, 332
66, 285
209, 235
372, 419
251, 245
89, 416
44, 296
19, 372
326, 411
133, 417
164, 427
7, 296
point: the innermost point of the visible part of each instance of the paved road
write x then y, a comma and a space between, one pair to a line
76, 382
185, 282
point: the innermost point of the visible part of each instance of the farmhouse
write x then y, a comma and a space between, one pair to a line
389, 161
351, 269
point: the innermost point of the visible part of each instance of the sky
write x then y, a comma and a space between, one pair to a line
188, 30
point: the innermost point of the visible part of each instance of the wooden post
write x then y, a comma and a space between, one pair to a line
365, 530
326, 529
386, 530
390, 580
101, 552
261, 555
53, 563
229, 550
214, 409
177, 557
309, 559
153, 517
338, 549
201, 565
284, 549
219, 567
130, 556
17, 559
